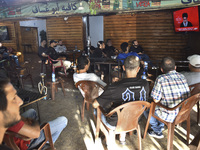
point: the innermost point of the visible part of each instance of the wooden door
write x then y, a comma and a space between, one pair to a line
29, 39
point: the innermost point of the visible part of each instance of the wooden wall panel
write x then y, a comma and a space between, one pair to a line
14, 36
153, 30
70, 31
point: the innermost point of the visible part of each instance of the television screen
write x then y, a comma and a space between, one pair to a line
4, 33
186, 19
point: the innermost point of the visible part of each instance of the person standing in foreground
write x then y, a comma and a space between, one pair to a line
169, 89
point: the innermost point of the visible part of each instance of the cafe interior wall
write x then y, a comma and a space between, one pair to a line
40, 24
14, 37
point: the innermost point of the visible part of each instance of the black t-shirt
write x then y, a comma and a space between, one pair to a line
109, 51
42, 50
126, 90
52, 53
137, 50
3, 49
97, 53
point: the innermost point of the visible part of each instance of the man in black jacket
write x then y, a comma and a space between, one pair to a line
128, 89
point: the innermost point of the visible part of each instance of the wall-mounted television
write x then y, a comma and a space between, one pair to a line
186, 19
4, 33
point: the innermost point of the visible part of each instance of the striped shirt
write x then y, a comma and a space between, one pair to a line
170, 89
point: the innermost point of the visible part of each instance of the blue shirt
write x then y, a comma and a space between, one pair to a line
170, 89
122, 56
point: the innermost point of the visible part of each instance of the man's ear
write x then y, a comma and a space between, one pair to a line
162, 70
138, 69
175, 68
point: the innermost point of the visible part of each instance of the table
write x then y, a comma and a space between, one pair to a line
74, 53
33, 97
108, 62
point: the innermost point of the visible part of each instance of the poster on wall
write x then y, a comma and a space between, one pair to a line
105, 4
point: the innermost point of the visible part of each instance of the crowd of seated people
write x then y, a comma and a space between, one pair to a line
117, 93
44, 52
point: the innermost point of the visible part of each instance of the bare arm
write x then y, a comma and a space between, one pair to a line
31, 128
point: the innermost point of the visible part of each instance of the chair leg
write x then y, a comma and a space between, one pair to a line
63, 88
88, 106
32, 81
83, 109
147, 125
188, 129
170, 136
139, 137
198, 113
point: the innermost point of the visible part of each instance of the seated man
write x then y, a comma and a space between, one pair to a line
126, 53
128, 89
6, 55
109, 49
29, 127
54, 55
193, 76
42, 50
169, 89
60, 48
139, 50
83, 64
9, 108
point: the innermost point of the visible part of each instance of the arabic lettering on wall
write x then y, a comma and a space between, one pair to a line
43, 8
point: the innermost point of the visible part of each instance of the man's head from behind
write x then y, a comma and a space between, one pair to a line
167, 64
194, 63
131, 65
83, 63
9, 105
185, 17
124, 47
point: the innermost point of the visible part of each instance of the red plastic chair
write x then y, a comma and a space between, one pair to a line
128, 115
90, 91
195, 88
183, 115
52, 62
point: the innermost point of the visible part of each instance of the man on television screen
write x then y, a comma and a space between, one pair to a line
185, 22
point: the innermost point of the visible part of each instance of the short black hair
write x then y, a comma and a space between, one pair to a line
167, 64
185, 15
99, 43
59, 40
124, 46
131, 62
133, 41
108, 40
53, 41
82, 61
3, 94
